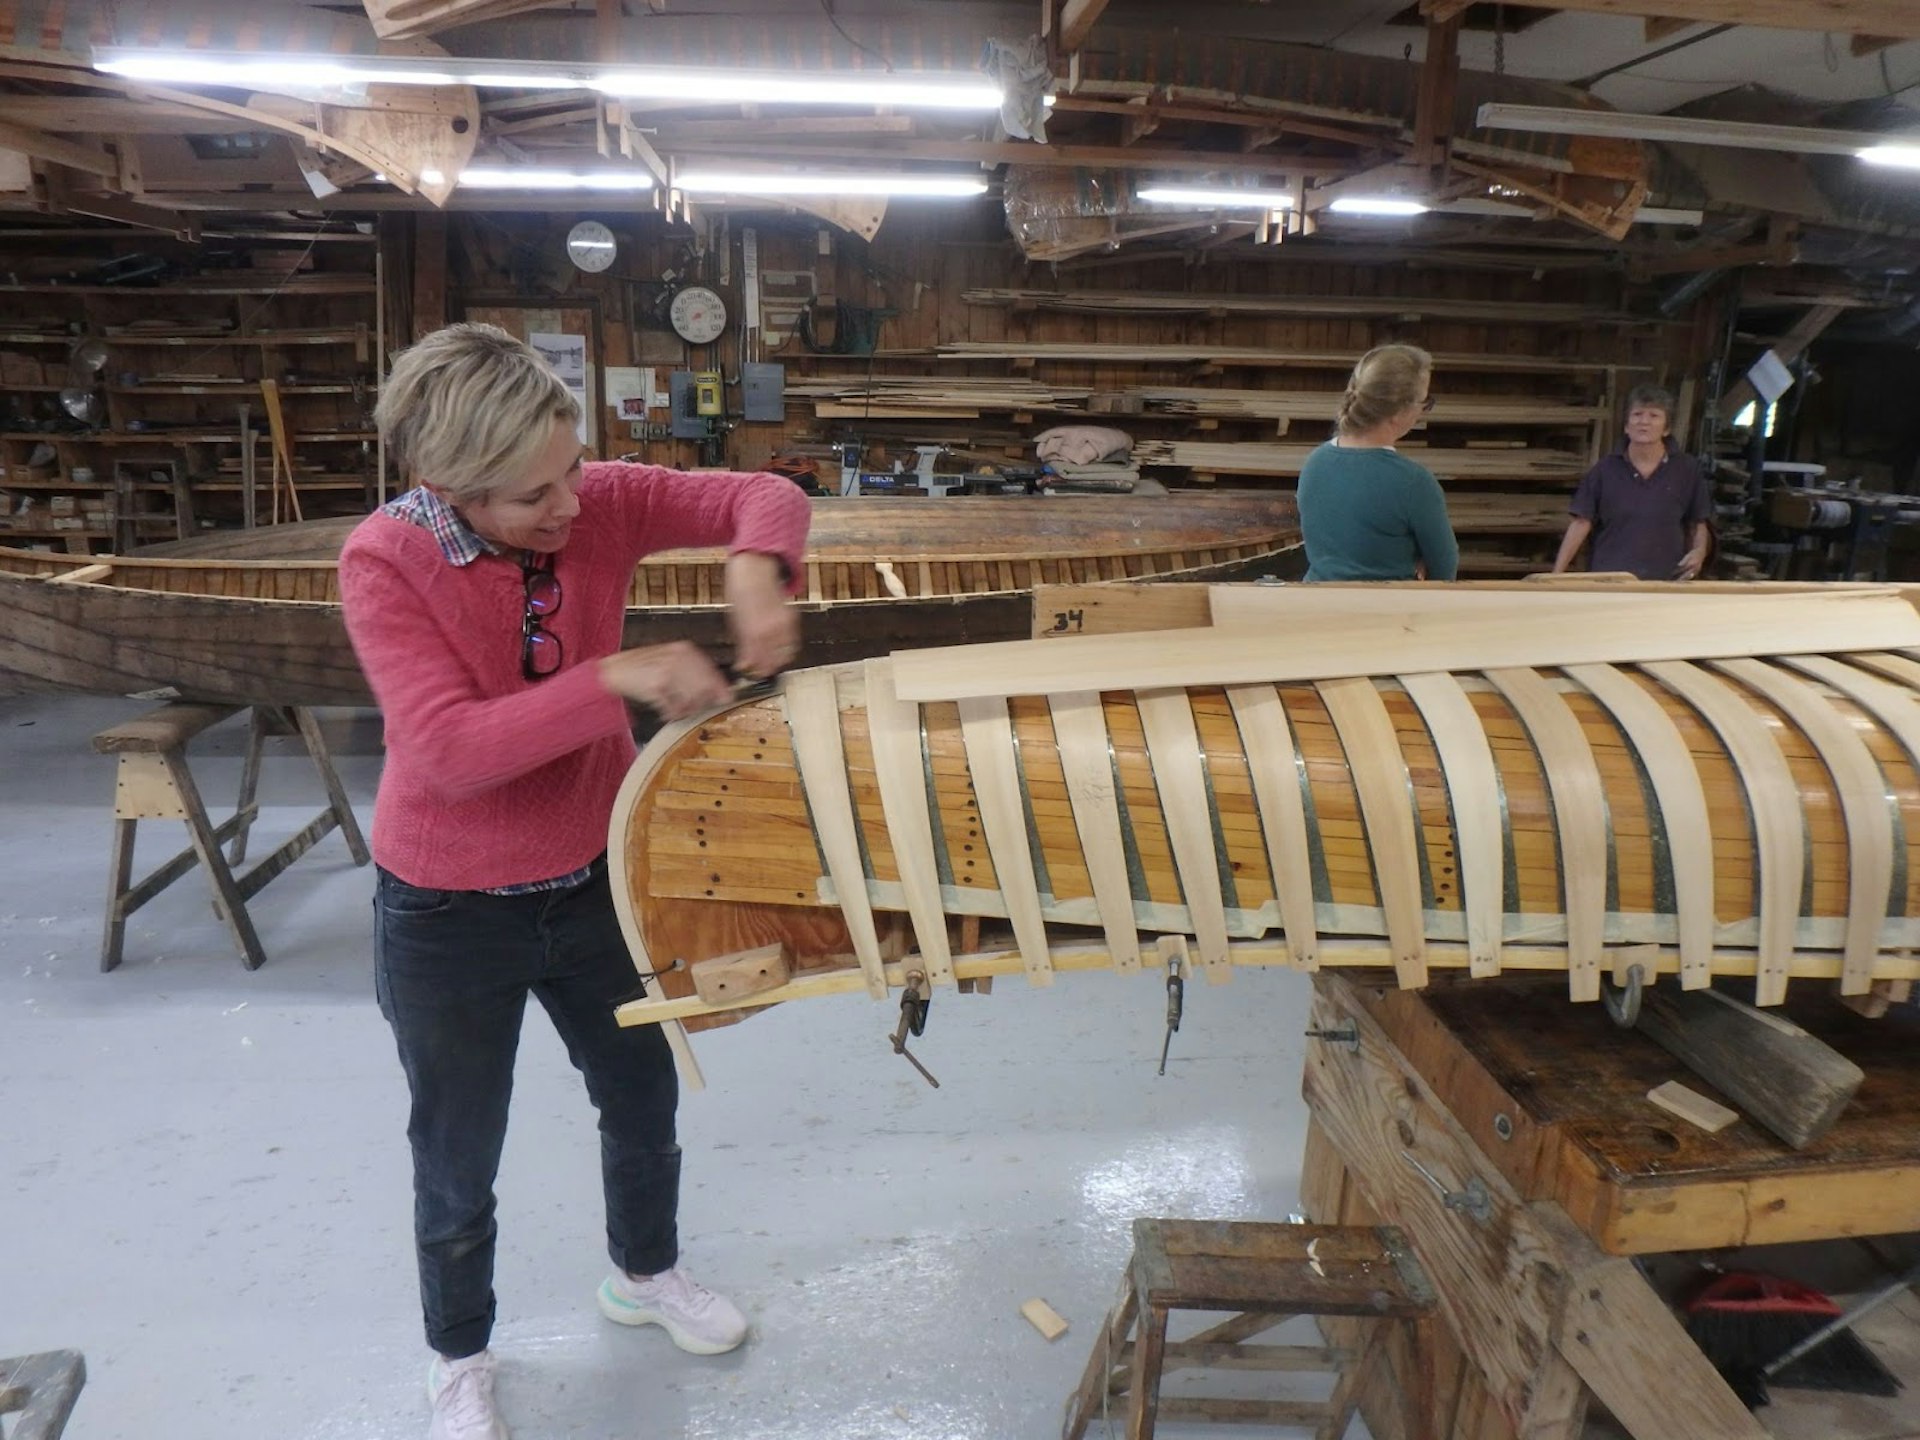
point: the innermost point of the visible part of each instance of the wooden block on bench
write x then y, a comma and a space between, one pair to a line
745, 972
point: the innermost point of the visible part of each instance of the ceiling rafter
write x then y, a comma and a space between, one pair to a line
1896, 18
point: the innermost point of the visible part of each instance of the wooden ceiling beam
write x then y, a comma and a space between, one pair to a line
1077, 19
1665, 28
107, 116
1899, 19
43, 146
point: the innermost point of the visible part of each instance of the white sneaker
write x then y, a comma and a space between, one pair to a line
462, 1396
700, 1322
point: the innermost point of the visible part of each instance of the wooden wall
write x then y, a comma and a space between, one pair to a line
927, 255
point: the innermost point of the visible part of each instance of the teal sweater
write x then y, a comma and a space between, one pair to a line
1372, 514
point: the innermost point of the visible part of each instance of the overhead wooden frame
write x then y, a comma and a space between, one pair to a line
1895, 19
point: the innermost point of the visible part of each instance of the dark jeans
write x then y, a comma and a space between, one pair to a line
452, 970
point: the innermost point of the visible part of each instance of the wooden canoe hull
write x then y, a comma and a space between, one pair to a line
1727, 816
202, 624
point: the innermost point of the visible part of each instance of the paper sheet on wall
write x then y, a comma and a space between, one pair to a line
1770, 377
567, 354
629, 390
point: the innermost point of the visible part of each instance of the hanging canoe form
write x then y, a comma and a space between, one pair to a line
1730, 814
254, 617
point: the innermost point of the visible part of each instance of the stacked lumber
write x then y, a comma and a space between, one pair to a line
885, 397
1495, 513
1292, 405
1330, 307
1224, 458
1127, 354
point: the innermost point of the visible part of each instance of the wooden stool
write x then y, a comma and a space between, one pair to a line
1265, 1274
154, 783
39, 1392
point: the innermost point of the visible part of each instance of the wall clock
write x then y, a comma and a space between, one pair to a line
590, 246
697, 315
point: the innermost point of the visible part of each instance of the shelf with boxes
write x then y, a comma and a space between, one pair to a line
139, 412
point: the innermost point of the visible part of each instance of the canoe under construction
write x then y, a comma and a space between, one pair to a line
201, 623
1418, 778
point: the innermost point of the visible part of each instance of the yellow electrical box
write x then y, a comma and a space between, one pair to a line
707, 393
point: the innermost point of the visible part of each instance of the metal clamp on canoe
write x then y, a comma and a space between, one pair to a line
1623, 1005
1176, 1005
915, 1000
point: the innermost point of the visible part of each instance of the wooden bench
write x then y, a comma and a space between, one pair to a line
39, 1392
1264, 1274
155, 783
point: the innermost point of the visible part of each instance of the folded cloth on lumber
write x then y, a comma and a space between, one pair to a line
1082, 444
1104, 475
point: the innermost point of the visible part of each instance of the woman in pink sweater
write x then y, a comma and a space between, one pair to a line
485, 605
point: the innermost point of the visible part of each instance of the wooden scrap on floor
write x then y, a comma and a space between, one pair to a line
1044, 1318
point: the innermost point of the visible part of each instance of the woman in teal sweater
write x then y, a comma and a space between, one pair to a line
1366, 511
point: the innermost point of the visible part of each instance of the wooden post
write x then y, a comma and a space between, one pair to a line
429, 273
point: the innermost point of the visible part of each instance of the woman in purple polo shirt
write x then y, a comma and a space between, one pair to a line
1646, 505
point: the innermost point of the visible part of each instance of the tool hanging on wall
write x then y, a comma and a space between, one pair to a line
282, 452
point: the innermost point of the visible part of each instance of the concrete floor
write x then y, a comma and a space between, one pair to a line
204, 1182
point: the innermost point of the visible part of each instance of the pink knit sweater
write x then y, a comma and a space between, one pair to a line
492, 779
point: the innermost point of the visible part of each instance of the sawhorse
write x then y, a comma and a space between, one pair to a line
155, 783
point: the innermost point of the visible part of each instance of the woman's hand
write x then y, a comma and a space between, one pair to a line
766, 629
676, 679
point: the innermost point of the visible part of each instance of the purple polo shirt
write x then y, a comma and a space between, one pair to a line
1642, 525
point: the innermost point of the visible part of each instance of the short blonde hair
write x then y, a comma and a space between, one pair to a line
1386, 381
469, 408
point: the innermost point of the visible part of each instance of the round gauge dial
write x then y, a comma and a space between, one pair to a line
590, 246
698, 315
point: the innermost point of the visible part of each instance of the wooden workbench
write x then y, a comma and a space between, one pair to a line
1550, 1167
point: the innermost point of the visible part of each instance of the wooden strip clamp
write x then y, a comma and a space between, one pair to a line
1473, 794
1267, 740
893, 726
1380, 777
813, 714
1863, 804
1179, 773
1080, 733
1579, 813
1683, 808
987, 730
1773, 799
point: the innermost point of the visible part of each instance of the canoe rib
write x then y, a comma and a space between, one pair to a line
1312, 821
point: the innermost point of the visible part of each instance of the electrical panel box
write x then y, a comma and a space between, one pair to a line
687, 423
763, 388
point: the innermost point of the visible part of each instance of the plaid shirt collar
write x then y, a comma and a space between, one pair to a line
458, 541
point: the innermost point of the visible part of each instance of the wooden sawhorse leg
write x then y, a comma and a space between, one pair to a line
154, 782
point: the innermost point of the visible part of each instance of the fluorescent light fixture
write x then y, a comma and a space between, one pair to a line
267, 71
1216, 198
1900, 157
1376, 205
728, 87
910, 89
1659, 215
1682, 130
432, 177
489, 177
729, 182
